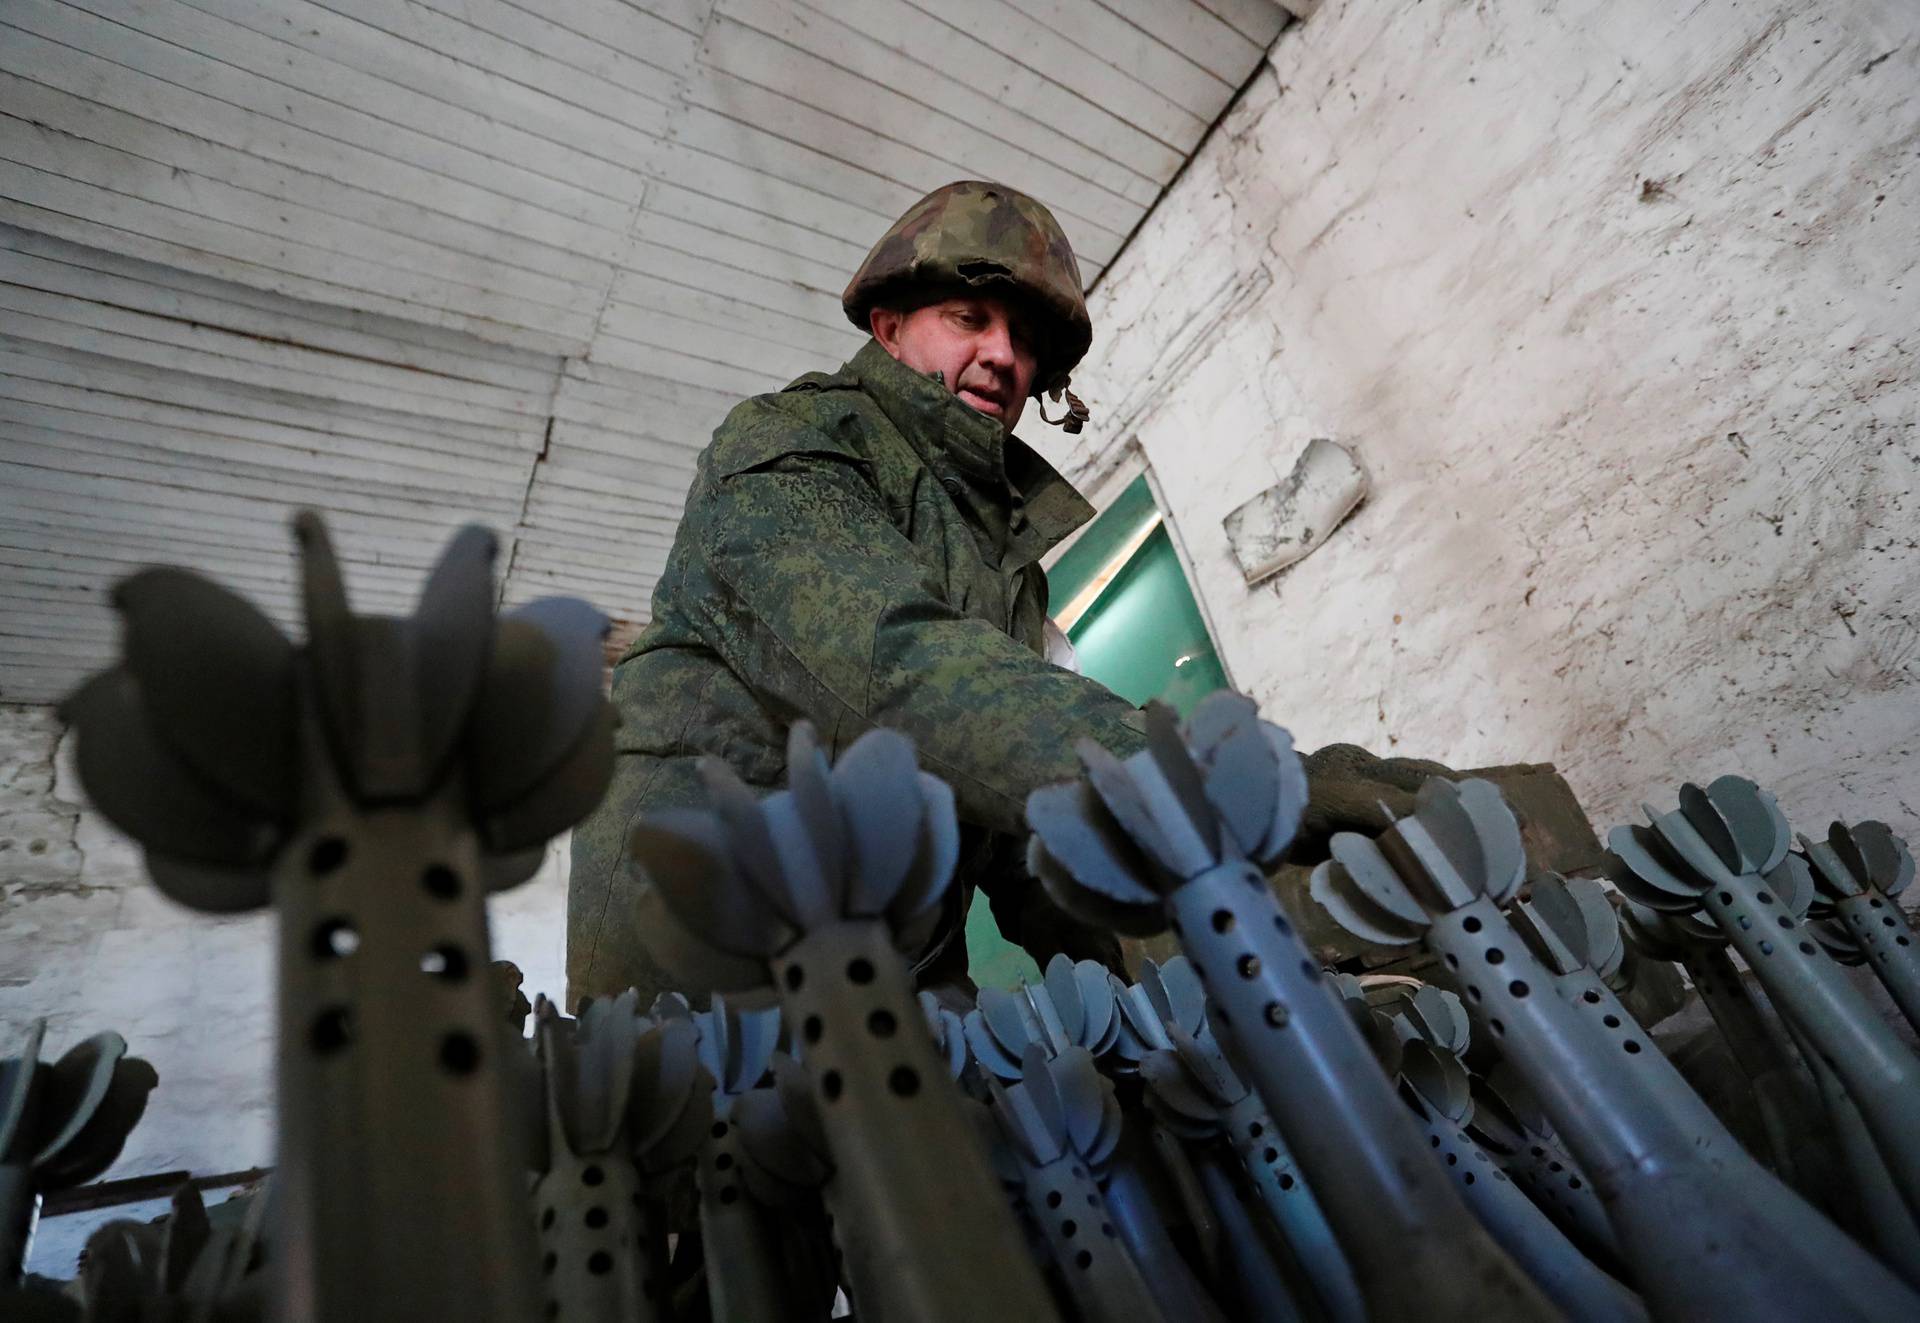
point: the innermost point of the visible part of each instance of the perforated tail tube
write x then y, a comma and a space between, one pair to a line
584, 1201
1251, 1259
1198, 1094
626, 1102
1798, 1131
920, 1216
1885, 940
746, 1281
1879, 1071
1433, 1028
394, 1181
1519, 1132
1725, 851
1289, 1199
1861, 870
1415, 1249
1707, 1233
1060, 1124
1099, 1272
1067, 1206
1553, 1180
1569, 1278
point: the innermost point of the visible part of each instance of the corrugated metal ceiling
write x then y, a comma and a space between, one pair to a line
437, 261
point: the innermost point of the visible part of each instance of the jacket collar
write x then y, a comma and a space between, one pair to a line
1010, 491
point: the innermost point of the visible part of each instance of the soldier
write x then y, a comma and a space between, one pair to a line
862, 549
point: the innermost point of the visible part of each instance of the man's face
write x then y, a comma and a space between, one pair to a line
978, 344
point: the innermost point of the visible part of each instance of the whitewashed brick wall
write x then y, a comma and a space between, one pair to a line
1617, 300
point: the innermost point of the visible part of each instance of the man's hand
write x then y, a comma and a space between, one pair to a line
1348, 789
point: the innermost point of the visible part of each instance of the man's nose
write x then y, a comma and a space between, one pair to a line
995, 345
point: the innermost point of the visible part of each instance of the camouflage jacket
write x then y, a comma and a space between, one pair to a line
859, 549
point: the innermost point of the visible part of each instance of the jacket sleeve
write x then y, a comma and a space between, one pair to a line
828, 609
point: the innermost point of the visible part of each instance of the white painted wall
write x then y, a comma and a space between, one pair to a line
87, 942
1617, 300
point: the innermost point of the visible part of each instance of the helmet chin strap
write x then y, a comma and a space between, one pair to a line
1071, 422
1073, 419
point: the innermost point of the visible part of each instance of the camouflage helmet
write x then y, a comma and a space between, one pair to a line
973, 236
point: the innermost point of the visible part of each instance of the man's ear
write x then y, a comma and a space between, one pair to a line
885, 325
